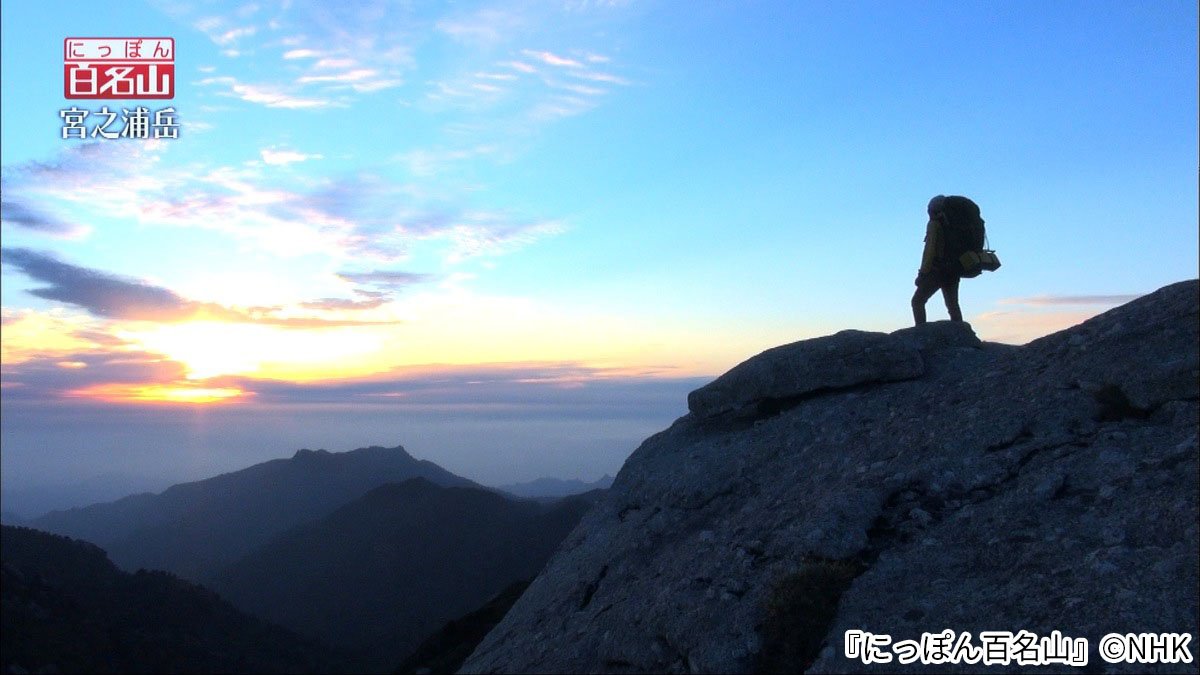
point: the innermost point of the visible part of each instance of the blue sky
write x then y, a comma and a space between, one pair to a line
578, 200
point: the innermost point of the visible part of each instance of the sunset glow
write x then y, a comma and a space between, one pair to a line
482, 228
122, 393
209, 349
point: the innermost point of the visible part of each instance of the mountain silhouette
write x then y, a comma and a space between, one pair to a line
384, 571
554, 488
64, 607
195, 529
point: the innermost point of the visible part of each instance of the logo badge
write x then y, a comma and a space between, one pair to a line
119, 68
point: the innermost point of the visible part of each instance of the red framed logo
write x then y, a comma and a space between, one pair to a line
119, 68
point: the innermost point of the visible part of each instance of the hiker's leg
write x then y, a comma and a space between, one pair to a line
950, 295
924, 292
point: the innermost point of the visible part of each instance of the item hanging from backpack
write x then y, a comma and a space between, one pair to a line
972, 263
966, 238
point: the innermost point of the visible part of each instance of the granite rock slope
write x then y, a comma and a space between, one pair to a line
962, 484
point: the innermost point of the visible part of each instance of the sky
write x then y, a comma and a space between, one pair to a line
512, 236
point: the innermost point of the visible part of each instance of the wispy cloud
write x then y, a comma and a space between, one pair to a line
534, 384
347, 76
222, 31
560, 106
232, 35
51, 334
370, 300
551, 59
527, 388
510, 75
388, 279
583, 89
589, 5
1023, 319
49, 378
301, 54
15, 213
599, 76
382, 226
101, 294
1020, 327
364, 217
365, 42
502, 77
431, 161
117, 297
486, 27
517, 95
284, 157
271, 96
492, 234
361, 80
327, 62
1060, 300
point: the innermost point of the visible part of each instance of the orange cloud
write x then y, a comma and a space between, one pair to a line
1022, 326
159, 393
29, 334
1037, 316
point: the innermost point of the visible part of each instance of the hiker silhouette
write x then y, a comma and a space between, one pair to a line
939, 268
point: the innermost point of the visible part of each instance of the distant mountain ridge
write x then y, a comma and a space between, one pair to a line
549, 488
195, 529
30, 500
384, 571
64, 607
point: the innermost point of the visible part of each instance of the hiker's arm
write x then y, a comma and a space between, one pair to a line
933, 241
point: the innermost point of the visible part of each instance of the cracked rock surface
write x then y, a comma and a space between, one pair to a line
979, 486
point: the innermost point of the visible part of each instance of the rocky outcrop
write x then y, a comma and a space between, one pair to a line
803, 368
897, 484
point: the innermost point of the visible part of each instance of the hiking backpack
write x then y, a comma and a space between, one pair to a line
965, 238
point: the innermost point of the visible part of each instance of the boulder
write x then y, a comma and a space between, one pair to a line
789, 372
